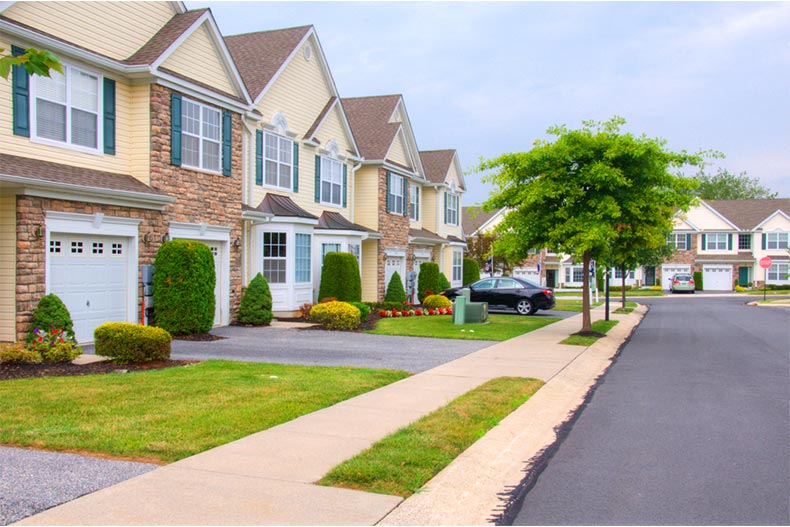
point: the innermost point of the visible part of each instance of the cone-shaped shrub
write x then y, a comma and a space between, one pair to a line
427, 280
395, 292
471, 271
50, 313
256, 304
184, 287
340, 278
444, 283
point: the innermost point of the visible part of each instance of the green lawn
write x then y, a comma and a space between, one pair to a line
768, 292
166, 415
403, 462
601, 326
572, 305
499, 327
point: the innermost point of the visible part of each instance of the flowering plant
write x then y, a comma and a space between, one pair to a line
55, 345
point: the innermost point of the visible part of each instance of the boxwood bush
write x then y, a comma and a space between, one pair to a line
428, 280
130, 343
471, 271
184, 282
697, 280
256, 304
18, 354
336, 315
50, 313
395, 291
436, 301
340, 278
444, 283
364, 309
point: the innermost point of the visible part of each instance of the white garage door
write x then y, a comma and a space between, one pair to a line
717, 277
668, 270
88, 273
393, 264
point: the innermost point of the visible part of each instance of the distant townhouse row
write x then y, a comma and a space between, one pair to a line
161, 128
724, 240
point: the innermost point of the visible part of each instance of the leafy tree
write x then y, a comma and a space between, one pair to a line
726, 185
395, 291
35, 62
256, 304
483, 245
587, 190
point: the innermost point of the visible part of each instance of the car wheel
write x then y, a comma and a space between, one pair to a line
525, 307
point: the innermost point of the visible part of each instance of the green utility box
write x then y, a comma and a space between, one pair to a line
467, 312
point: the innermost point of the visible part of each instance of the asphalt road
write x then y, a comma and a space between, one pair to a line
690, 426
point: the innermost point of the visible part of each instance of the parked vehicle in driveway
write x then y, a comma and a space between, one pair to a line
509, 293
682, 283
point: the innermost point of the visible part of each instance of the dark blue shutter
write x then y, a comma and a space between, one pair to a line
417, 205
21, 96
704, 245
405, 197
688, 242
729, 242
175, 129
317, 179
227, 142
259, 157
765, 241
389, 195
345, 183
109, 116
295, 171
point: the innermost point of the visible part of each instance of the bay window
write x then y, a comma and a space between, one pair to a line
274, 257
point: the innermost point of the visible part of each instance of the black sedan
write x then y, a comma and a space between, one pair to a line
506, 292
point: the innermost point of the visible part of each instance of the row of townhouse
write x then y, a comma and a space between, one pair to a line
161, 129
722, 239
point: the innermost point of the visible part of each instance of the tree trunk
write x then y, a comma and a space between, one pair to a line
622, 273
586, 318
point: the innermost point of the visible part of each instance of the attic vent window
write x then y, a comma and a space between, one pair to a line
308, 52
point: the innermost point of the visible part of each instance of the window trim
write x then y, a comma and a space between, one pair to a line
396, 191
719, 236
458, 266
745, 236
673, 238
264, 258
328, 178
777, 241
451, 209
301, 258
184, 133
414, 202
775, 270
279, 138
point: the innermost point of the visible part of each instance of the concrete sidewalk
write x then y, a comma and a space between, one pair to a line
267, 478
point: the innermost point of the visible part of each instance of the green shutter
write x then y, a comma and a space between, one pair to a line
765, 241
227, 142
405, 197
729, 242
259, 157
109, 116
389, 195
175, 129
21, 96
688, 242
417, 210
704, 245
345, 183
317, 179
295, 170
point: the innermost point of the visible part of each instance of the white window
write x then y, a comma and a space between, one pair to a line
201, 136
355, 249
458, 265
677, 241
451, 213
574, 274
278, 161
274, 257
395, 197
302, 257
776, 240
67, 108
331, 181
327, 248
618, 274
414, 202
778, 272
716, 241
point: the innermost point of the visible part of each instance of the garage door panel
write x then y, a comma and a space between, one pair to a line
717, 277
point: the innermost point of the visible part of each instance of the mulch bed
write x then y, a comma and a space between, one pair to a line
61, 369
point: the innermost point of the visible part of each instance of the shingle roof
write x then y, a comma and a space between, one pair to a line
336, 222
473, 217
369, 120
164, 38
47, 171
258, 56
746, 214
314, 127
436, 164
424, 233
282, 206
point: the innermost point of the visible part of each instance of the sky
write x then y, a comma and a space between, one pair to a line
488, 78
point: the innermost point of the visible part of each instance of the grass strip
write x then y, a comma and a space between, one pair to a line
498, 328
400, 464
572, 305
599, 326
164, 415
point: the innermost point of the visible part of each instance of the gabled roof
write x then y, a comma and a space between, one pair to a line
436, 164
282, 206
474, 217
260, 55
336, 222
165, 37
749, 213
369, 118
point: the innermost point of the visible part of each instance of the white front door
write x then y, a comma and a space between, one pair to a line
89, 274
717, 277
668, 270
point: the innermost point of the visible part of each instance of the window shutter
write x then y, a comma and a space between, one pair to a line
259, 157
405, 187
688, 242
445, 207
389, 195
175, 129
417, 210
227, 142
765, 241
21, 96
295, 170
345, 184
109, 116
317, 179
704, 245
729, 242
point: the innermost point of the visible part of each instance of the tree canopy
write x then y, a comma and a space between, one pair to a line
587, 192
726, 185
36, 62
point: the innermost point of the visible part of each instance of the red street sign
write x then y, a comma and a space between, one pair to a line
766, 262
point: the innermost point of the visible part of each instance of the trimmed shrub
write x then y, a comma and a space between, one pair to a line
471, 271
256, 304
619, 287
697, 280
336, 315
655, 288
395, 292
340, 278
364, 309
130, 343
427, 280
740, 289
184, 287
378, 306
436, 302
18, 354
444, 283
50, 313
